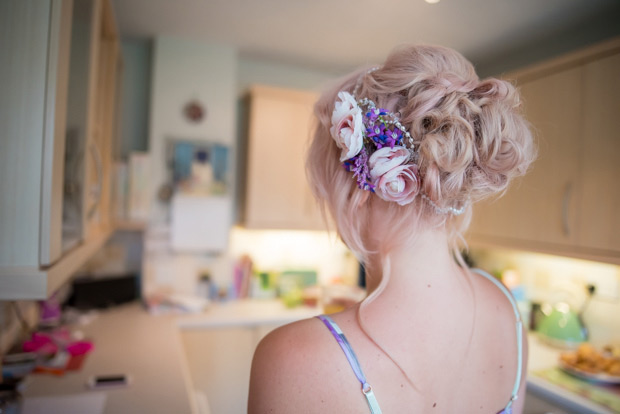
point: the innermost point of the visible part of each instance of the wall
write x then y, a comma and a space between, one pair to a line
185, 69
599, 27
552, 279
279, 250
266, 72
273, 250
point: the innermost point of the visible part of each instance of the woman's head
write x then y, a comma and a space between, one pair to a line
445, 140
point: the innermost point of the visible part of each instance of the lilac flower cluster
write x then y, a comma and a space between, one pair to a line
378, 134
381, 134
358, 165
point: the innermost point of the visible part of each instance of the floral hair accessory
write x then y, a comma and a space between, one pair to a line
378, 150
372, 147
370, 139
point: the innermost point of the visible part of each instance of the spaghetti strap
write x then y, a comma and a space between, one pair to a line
519, 327
352, 358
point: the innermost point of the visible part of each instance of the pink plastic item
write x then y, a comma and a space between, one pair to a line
40, 344
80, 348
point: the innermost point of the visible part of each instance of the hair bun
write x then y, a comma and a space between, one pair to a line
472, 137
504, 145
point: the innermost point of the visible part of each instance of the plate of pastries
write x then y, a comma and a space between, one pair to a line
592, 364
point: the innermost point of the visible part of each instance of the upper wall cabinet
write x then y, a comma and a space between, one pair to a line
568, 204
61, 60
599, 204
277, 195
537, 207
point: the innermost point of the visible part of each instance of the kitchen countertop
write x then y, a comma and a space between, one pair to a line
129, 340
542, 357
246, 313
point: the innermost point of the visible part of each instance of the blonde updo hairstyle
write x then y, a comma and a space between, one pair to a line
470, 137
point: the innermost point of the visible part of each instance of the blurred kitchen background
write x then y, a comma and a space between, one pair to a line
155, 219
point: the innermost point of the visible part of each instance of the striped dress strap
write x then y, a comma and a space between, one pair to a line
352, 358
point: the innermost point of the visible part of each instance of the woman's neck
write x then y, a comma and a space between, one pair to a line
419, 266
424, 288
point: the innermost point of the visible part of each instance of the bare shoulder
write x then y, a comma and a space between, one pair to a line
493, 295
495, 311
500, 319
287, 369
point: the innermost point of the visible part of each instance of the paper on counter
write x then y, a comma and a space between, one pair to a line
84, 403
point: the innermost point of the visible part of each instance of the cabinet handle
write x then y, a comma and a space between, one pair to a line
96, 190
565, 204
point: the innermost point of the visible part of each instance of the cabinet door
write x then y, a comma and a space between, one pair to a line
93, 123
93, 156
34, 51
599, 226
104, 136
51, 247
541, 207
50, 50
277, 194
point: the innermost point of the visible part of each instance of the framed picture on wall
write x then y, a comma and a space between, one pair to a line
199, 167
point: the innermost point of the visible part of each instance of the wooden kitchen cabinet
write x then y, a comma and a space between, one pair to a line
568, 204
277, 195
57, 123
536, 207
599, 204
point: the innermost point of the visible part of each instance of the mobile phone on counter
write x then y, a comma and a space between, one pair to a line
108, 381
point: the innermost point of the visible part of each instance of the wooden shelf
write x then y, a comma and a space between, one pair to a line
575, 252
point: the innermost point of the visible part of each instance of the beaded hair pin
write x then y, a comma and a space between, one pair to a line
378, 150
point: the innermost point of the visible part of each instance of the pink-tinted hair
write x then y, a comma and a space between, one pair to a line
471, 137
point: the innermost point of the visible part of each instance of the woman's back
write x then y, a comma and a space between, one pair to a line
458, 353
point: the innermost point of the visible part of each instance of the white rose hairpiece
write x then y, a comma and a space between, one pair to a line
379, 151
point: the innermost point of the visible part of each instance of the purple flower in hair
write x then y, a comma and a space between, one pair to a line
375, 130
394, 137
358, 165
374, 113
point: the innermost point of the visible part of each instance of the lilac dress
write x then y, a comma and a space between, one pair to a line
373, 405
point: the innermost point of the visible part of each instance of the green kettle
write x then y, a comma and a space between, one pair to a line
561, 326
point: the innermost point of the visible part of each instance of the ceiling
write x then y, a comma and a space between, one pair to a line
336, 35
